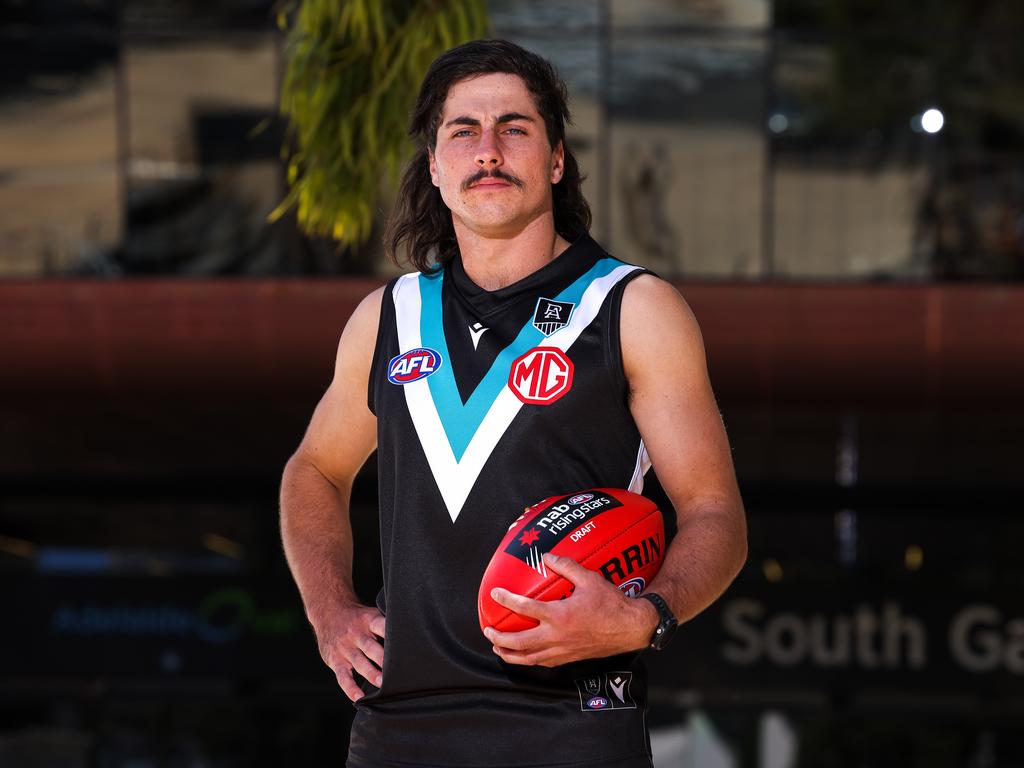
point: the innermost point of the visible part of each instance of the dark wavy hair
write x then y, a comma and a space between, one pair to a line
421, 222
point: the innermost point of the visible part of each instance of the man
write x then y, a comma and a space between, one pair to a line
423, 375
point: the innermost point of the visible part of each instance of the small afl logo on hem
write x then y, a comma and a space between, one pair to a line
413, 365
581, 498
633, 587
607, 691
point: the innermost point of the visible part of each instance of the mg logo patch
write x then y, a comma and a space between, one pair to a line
413, 365
541, 376
551, 315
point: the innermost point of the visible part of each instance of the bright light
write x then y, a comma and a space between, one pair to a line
913, 557
16, 547
772, 570
932, 120
778, 123
223, 546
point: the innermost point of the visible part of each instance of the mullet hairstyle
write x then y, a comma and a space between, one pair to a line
421, 222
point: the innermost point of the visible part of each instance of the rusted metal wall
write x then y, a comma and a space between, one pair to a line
189, 378
766, 342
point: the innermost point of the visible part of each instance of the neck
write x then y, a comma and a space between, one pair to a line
495, 262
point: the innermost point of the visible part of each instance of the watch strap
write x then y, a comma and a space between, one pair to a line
667, 621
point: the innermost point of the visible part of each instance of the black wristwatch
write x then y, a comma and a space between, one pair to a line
667, 623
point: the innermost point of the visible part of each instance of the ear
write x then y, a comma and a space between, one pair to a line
557, 162
432, 164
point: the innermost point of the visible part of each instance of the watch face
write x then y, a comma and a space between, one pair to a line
663, 634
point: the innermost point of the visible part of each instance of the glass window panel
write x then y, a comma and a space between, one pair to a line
797, 14
835, 219
861, 188
972, 212
511, 17
204, 169
848, 170
173, 17
688, 153
59, 188
730, 14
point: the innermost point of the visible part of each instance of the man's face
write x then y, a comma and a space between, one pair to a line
492, 161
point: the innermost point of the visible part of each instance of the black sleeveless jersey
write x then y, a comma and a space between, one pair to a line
486, 402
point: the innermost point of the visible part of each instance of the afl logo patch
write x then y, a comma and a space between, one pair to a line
413, 365
541, 376
633, 587
598, 702
581, 498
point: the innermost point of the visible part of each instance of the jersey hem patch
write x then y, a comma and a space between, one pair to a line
604, 692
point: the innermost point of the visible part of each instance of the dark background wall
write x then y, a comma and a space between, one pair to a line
145, 425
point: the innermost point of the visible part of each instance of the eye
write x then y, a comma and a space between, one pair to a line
462, 133
516, 131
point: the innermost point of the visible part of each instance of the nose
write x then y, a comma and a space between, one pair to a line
488, 153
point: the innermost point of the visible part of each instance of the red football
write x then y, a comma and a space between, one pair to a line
617, 533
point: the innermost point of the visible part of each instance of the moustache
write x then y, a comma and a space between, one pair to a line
495, 174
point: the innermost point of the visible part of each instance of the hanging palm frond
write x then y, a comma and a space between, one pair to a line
353, 70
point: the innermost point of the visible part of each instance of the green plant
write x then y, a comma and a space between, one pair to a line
352, 73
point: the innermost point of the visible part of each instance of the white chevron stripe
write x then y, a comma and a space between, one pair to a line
643, 463
455, 479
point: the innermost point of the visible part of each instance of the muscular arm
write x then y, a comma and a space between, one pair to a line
675, 410
315, 490
672, 403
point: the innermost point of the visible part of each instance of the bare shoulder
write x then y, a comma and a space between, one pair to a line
342, 431
360, 334
657, 326
369, 307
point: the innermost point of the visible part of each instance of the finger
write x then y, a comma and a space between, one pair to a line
377, 625
373, 650
365, 668
348, 684
539, 659
525, 640
516, 657
524, 606
568, 568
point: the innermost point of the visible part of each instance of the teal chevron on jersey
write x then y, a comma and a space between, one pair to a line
462, 420
458, 438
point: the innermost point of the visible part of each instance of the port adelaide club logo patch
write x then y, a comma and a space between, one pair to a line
551, 315
413, 365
